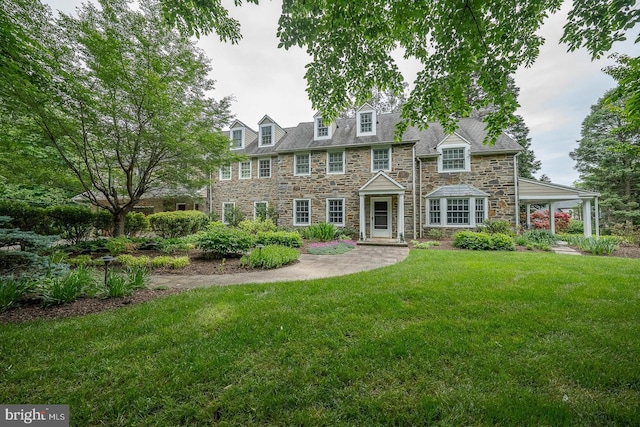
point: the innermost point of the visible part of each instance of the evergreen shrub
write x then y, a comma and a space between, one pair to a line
178, 223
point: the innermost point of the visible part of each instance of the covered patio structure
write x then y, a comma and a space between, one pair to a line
532, 192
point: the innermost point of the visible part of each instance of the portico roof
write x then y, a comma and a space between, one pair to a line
532, 191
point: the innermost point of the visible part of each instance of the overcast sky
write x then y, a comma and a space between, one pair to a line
556, 93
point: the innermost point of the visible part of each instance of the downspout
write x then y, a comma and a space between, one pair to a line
420, 195
210, 195
413, 166
515, 183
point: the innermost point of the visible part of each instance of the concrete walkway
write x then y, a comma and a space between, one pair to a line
564, 249
361, 258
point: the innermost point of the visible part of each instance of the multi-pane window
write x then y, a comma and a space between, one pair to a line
366, 122
453, 159
236, 138
479, 211
380, 160
336, 162
245, 169
457, 211
335, 211
260, 210
302, 164
301, 212
225, 172
267, 137
228, 210
264, 168
322, 129
434, 211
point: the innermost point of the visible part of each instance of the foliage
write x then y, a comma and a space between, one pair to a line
138, 277
225, 242
24, 216
322, 231
492, 226
133, 261
436, 233
331, 248
272, 256
12, 291
176, 244
483, 241
103, 222
120, 245
80, 260
575, 227
290, 239
627, 74
61, 290
121, 284
178, 223
603, 245
540, 219
170, 262
135, 223
257, 226
73, 223
424, 245
123, 127
627, 230
233, 215
263, 213
541, 236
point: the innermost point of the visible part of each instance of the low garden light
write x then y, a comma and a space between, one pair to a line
107, 260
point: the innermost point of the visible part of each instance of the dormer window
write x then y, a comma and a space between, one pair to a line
237, 139
366, 121
266, 135
322, 128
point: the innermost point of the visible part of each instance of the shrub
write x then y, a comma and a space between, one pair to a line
120, 245
257, 226
225, 242
25, 217
290, 239
117, 285
424, 245
73, 223
575, 227
272, 256
177, 223
541, 237
233, 215
133, 261
322, 231
103, 222
502, 242
492, 226
11, 291
176, 244
80, 260
540, 219
435, 233
180, 262
60, 290
170, 262
628, 230
483, 241
594, 245
136, 222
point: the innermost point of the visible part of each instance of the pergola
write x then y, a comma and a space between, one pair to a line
532, 192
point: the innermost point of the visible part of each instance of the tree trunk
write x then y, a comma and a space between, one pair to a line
118, 223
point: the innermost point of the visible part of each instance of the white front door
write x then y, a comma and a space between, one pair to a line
381, 217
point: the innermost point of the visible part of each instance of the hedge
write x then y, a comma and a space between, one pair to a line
178, 223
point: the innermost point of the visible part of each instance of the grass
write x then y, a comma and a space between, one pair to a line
444, 338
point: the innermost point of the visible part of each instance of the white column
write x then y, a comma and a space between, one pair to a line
363, 233
586, 217
401, 217
552, 217
597, 216
528, 216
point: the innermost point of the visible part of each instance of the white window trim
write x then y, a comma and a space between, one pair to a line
467, 158
315, 129
241, 140
295, 164
255, 204
273, 135
240, 169
341, 224
444, 209
230, 172
270, 168
224, 220
373, 123
294, 213
390, 159
343, 162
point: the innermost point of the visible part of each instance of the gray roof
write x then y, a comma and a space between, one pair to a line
462, 190
300, 138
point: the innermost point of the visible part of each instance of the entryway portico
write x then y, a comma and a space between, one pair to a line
532, 192
381, 200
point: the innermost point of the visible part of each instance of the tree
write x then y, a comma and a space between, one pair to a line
627, 74
123, 103
381, 101
604, 164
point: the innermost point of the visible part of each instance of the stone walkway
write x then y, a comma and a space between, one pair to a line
361, 258
564, 249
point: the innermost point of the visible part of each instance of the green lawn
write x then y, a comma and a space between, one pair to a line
444, 338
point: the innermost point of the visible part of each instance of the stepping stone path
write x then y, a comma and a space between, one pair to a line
563, 248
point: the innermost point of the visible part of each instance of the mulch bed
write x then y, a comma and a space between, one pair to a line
33, 310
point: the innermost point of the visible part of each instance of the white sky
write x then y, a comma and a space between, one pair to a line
556, 92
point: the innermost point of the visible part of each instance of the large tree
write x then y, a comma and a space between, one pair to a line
604, 164
122, 100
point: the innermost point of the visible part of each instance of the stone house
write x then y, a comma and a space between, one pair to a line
352, 174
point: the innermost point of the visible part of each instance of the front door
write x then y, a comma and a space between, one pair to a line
381, 217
